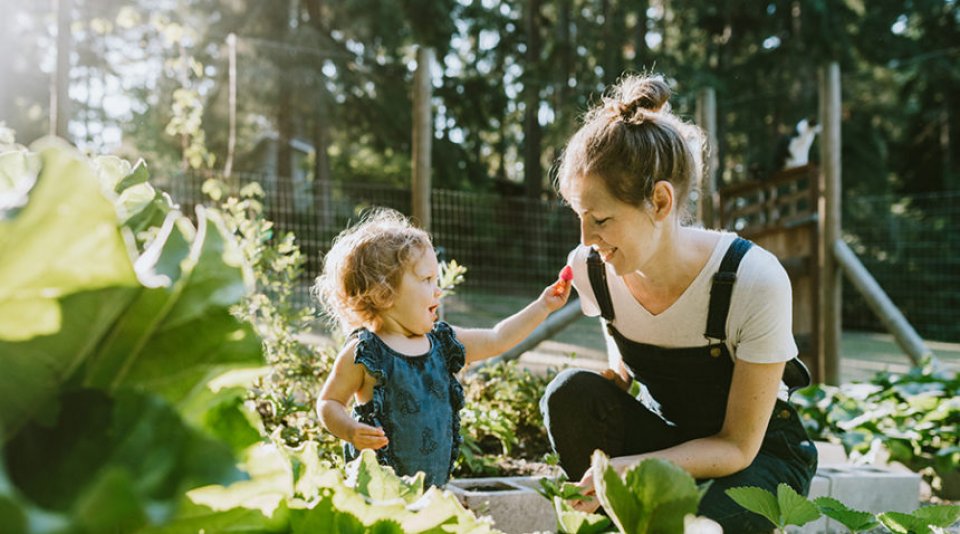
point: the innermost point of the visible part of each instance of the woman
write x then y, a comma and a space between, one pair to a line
700, 317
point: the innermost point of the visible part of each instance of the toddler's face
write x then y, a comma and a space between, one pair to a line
418, 296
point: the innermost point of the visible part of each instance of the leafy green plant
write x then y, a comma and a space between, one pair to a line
915, 415
290, 491
790, 508
854, 520
786, 508
653, 496
569, 520
285, 394
926, 520
502, 419
115, 314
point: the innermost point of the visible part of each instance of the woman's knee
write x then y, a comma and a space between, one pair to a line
569, 391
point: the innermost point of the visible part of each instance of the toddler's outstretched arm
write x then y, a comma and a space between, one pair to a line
345, 381
482, 343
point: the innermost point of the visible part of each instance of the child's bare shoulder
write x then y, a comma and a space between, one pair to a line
348, 351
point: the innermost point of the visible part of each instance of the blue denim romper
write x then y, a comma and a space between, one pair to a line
416, 401
584, 411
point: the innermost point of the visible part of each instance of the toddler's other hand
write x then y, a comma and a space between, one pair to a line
368, 437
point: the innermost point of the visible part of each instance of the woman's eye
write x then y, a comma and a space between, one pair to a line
601, 222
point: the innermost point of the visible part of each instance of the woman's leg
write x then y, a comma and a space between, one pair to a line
584, 411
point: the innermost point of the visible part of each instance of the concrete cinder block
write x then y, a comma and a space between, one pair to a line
873, 489
512, 502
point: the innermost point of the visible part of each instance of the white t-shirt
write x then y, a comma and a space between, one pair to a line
759, 324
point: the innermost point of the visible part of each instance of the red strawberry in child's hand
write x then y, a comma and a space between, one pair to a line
566, 274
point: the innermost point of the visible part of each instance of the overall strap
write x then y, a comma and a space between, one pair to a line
598, 281
722, 289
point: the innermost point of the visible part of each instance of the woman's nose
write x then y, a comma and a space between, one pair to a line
587, 237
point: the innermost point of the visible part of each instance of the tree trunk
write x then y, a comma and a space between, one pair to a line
641, 51
60, 96
284, 193
321, 133
532, 172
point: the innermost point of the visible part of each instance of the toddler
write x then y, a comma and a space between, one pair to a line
380, 282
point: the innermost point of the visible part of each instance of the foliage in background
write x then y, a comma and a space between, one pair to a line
323, 96
501, 424
285, 395
915, 416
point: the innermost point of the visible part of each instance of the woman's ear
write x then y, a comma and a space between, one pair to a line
662, 200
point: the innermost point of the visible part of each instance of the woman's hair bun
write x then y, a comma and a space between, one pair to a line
637, 93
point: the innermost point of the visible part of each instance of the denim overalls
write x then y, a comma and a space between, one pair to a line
689, 386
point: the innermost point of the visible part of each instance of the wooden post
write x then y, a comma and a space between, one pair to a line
880, 303
232, 103
707, 120
60, 92
422, 137
829, 222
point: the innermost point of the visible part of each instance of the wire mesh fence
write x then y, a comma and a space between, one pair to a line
515, 246
909, 245
510, 245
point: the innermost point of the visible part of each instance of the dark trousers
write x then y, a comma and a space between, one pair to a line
584, 411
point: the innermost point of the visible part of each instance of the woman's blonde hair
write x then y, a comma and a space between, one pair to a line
364, 266
631, 140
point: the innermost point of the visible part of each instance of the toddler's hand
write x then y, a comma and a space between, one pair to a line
368, 437
556, 295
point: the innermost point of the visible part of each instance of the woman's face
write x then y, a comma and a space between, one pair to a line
622, 233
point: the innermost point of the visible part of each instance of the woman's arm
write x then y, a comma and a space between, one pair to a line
345, 380
482, 343
753, 392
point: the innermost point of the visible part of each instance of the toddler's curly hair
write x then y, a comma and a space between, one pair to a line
364, 266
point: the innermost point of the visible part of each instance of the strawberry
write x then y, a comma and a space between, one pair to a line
566, 274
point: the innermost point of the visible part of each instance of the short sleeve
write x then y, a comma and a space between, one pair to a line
577, 260
453, 352
368, 354
765, 332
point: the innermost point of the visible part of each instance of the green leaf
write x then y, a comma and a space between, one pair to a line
795, 509
105, 461
623, 507
18, 175
666, 491
379, 483
138, 175
941, 515
66, 240
854, 520
269, 485
758, 501
900, 523
177, 333
573, 521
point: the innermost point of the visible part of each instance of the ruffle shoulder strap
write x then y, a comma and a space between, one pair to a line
453, 352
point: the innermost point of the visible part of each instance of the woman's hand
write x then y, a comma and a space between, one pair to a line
589, 503
368, 437
616, 378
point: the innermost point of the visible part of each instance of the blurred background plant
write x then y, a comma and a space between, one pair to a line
913, 417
